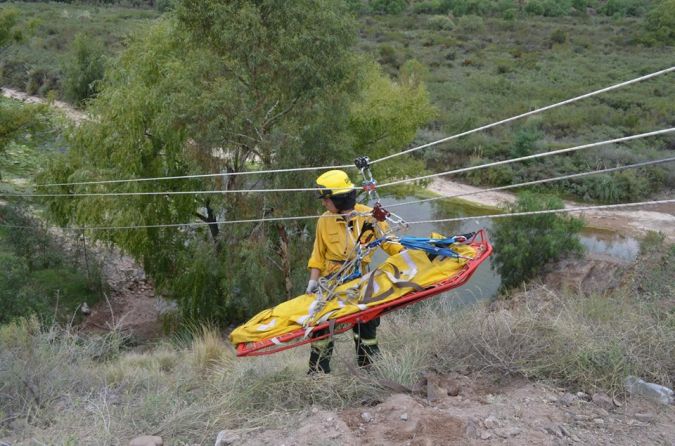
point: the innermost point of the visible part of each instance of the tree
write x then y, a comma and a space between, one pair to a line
223, 86
83, 68
660, 23
8, 29
525, 245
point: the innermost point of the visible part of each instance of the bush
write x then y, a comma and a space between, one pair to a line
388, 6
471, 24
558, 37
622, 8
429, 7
525, 142
525, 245
440, 23
660, 23
37, 276
83, 68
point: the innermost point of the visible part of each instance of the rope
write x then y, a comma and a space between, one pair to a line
307, 217
408, 180
523, 115
205, 175
346, 166
529, 157
548, 211
532, 183
182, 192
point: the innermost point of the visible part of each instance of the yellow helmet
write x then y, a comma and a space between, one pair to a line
334, 182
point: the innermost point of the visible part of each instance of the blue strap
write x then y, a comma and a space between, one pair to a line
436, 246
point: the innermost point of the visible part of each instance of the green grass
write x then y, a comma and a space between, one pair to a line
484, 74
35, 65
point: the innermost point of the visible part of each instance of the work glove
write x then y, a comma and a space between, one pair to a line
312, 286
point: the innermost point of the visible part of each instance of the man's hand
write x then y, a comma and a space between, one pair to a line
312, 286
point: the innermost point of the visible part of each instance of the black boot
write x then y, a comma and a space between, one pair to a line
319, 357
366, 351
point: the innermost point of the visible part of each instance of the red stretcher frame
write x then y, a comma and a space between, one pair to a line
297, 337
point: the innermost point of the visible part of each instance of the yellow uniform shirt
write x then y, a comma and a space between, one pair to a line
335, 239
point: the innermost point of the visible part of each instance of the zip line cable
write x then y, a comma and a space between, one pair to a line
205, 175
443, 220
523, 115
532, 183
528, 157
547, 211
346, 166
408, 180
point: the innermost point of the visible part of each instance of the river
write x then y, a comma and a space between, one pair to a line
485, 282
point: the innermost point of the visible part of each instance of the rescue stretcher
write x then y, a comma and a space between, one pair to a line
331, 327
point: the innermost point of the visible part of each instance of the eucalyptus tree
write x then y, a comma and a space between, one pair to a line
228, 87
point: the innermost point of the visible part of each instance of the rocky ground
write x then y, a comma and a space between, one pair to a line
472, 410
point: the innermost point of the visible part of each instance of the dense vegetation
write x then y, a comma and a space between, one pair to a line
255, 82
527, 244
188, 95
38, 274
257, 86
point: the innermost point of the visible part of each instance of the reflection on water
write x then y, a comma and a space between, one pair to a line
485, 282
610, 244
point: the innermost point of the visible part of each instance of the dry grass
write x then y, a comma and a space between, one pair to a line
60, 388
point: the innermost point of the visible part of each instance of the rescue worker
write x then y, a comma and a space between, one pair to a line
336, 234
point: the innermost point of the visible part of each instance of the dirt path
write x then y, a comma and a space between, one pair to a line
634, 222
73, 114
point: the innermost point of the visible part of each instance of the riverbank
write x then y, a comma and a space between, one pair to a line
630, 222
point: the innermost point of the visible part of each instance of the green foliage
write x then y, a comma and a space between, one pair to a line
470, 24
622, 8
558, 36
660, 23
525, 245
39, 277
83, 68
429, 7
35, 63
16, 122
389, 112
525, 142
9, 32
388, 6
441, 23
228, 87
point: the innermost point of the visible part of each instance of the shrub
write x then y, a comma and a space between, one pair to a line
525, 142
524, 245
471, 24
388, 6
429, 7
37, 276
623, 8
440, 22
558, 37
83, 68
660, 23
534, 7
